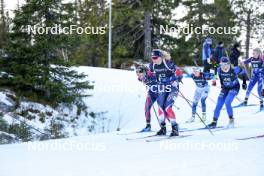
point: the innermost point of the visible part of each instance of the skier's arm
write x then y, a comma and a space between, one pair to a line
208, 76
240, 70
177, 73
150, 72
218, 73
247, 61
243, 73
146, 76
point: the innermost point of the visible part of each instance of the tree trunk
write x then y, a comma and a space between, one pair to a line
2, 13
147, 35
248, 25
2, 25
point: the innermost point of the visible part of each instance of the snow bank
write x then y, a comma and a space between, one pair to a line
110, 154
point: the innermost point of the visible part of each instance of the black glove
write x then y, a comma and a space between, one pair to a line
244, 86
263, 92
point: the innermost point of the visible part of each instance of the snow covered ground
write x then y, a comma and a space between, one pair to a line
110, 154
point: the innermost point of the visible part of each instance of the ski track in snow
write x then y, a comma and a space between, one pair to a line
109, 154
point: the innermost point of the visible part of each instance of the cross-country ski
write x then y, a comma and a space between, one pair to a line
252, 137
166, 138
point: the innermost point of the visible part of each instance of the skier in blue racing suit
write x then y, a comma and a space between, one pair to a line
257, 64
230, 87
201, 92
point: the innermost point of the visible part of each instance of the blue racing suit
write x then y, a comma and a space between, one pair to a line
230, 88
257, 76
202, 90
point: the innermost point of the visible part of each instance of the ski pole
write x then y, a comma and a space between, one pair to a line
30, 126
212, 100
189, 101
255, 95
197, 114
176, 107
155, 111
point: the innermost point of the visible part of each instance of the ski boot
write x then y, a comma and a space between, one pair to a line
261, 105
231, 123
162, 130
190, 120
212, 125
245, 102
203, 116
174, 131
147, 128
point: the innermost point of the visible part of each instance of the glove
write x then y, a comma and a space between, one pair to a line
164, 80
179, 78
244, 86
208, 60
149, 73
214, 83
214, 62
262, 92
175, 84
178, 72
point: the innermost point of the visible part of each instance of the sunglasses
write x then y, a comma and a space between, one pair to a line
139, 70
154, 57
223, 64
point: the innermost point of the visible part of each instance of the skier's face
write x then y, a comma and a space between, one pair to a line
140, 73
225, 67
196, 73
156, 60
255, 54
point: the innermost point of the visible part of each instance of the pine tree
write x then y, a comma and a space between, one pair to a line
2, 13
35, 65
136, 24
250, 19
91, 49
200, 13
